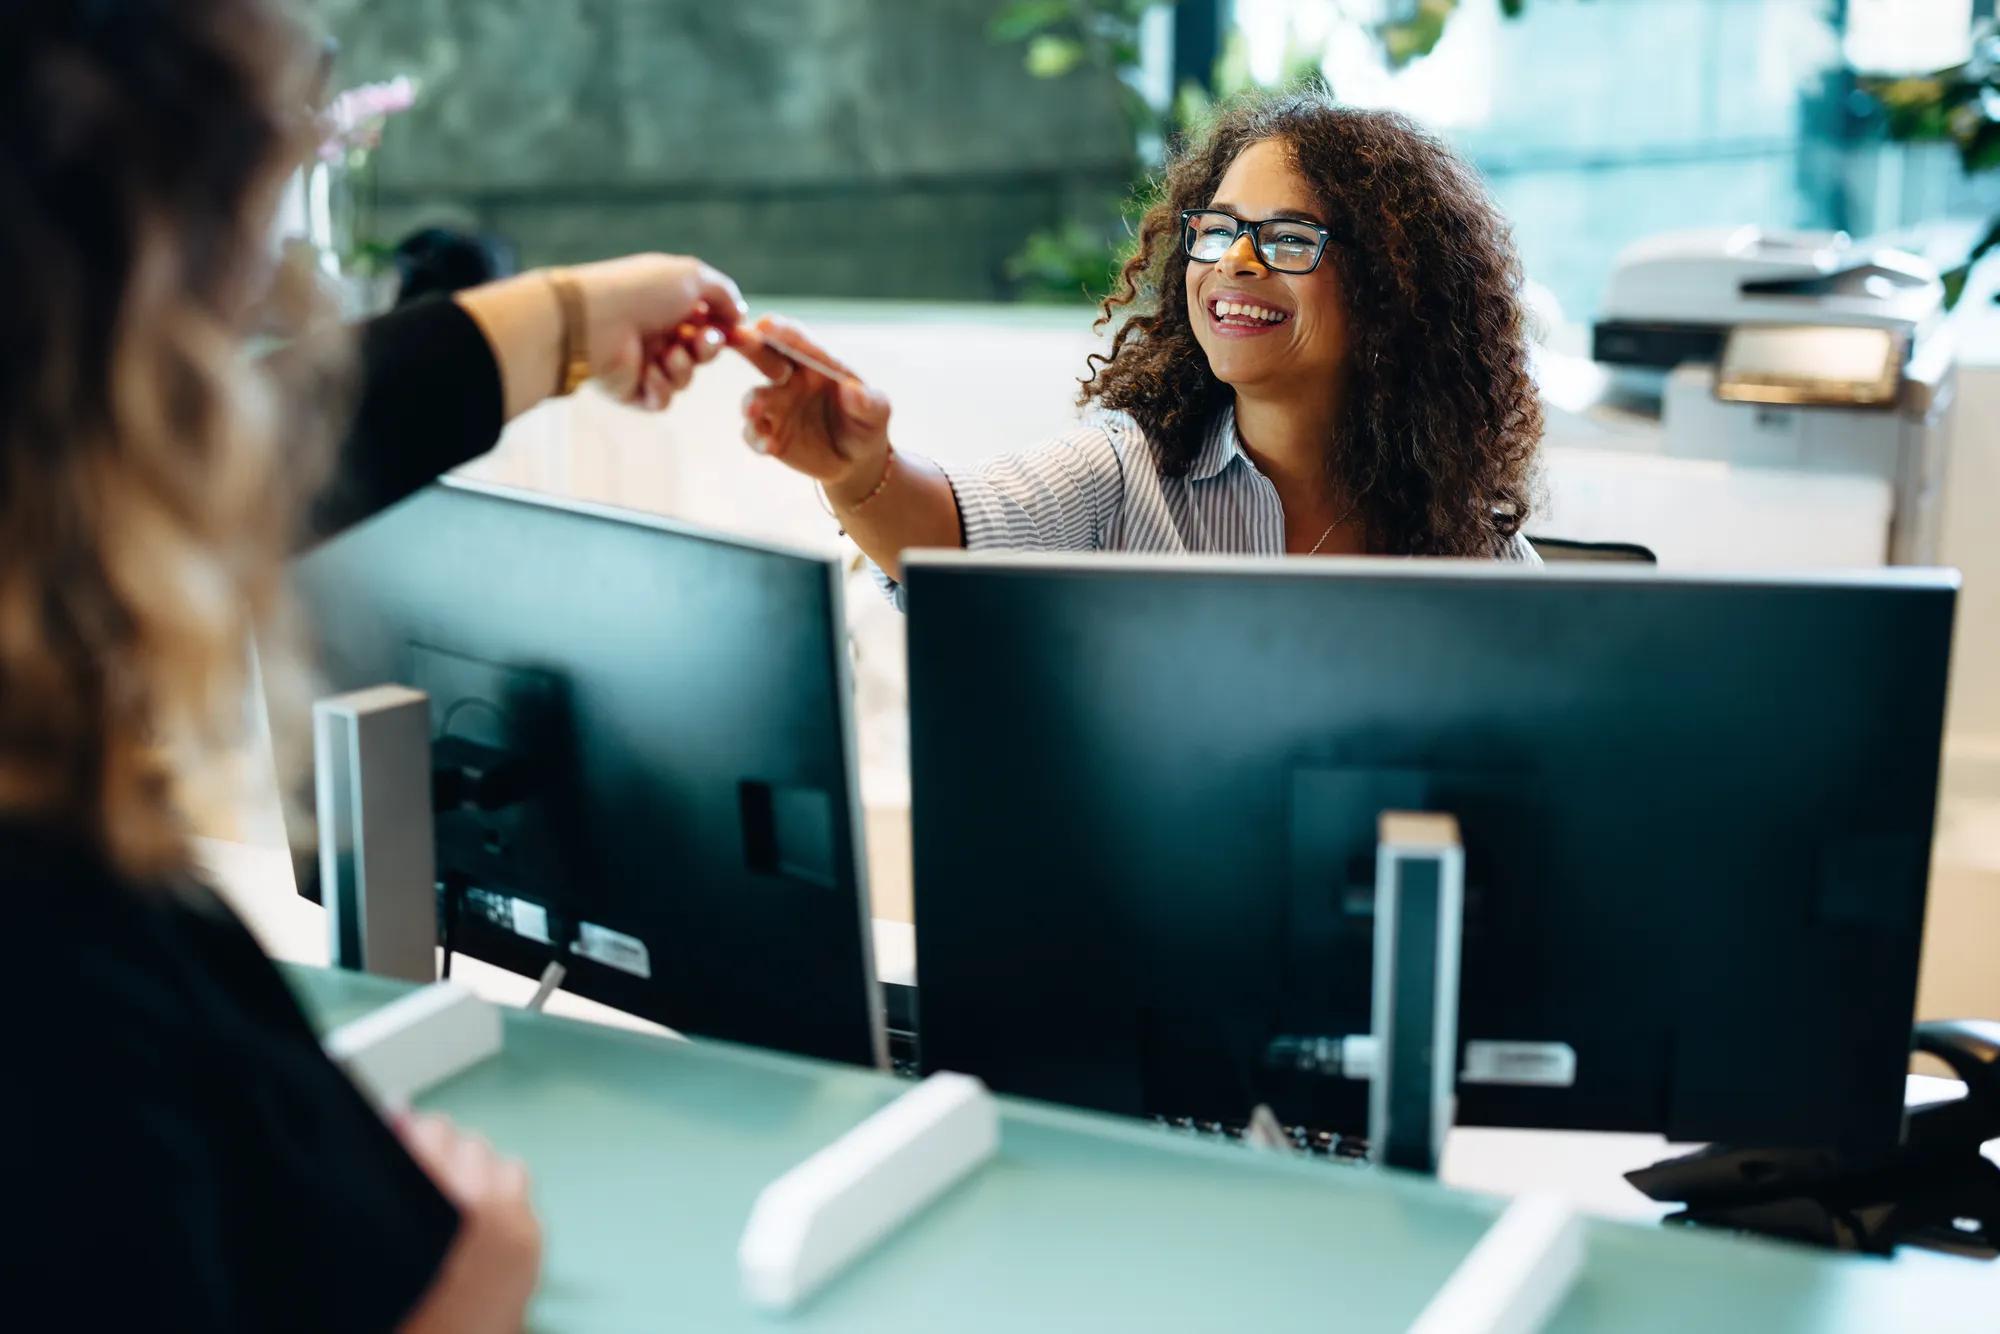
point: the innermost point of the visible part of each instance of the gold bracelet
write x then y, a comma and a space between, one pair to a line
573, 361
888, 464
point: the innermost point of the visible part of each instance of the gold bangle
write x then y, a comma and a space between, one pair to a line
573, 360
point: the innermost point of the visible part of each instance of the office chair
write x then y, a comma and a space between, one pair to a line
1552, 549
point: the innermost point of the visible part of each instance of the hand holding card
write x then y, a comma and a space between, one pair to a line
816, 416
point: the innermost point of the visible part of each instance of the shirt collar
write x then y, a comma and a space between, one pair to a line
1220, 448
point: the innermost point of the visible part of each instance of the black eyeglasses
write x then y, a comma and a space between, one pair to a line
1289, 245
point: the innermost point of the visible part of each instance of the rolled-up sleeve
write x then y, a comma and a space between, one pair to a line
1059, 496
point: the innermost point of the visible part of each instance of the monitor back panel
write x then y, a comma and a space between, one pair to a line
681, 700
1697, 815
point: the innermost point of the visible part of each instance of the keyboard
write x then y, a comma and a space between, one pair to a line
1328, 1145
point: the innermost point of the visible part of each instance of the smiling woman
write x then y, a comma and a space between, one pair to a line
1401, 370
1325, 355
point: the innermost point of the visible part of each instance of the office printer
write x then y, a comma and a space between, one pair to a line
1805, 351
1674, 298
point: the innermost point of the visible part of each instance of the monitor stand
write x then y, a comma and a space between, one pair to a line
1419, 920
377, 848
1409, 1056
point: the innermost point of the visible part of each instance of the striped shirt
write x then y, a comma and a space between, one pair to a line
1100, 488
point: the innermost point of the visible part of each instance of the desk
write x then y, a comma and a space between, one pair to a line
1585, 1168
648, 1153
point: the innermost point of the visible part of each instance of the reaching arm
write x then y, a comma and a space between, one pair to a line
1060, 497
837, 433
648, 319
440, 378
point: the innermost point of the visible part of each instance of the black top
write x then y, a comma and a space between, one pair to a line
430, 400
180, 1154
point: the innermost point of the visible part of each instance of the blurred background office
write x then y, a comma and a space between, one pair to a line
941, 188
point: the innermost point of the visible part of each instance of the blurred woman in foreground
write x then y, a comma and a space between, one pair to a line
185, 1154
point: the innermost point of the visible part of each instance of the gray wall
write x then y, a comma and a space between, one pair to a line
844, 147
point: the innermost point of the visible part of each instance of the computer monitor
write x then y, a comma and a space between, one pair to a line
1696, 814
659, 720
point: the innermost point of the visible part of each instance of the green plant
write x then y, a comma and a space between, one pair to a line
1961, 106
1077, 258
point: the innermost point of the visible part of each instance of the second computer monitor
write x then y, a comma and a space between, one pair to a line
1697, 817
644, 750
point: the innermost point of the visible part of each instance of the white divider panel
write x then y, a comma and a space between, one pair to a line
415, 1043
818, 1218
1515, 1278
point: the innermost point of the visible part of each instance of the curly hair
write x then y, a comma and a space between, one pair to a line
145, 506
1441, 420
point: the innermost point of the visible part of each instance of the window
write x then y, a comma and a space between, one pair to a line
1599, 122
911, 150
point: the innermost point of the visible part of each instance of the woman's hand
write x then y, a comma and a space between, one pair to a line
834, 431
490, 1272
648, 321
652, 320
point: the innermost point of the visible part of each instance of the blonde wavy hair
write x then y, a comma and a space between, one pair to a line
145, 510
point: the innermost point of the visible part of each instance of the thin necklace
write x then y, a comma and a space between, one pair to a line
1329, 530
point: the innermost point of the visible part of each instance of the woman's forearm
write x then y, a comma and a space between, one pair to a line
522, 321
914, 507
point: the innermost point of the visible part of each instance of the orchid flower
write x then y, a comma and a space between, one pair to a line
354, 118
